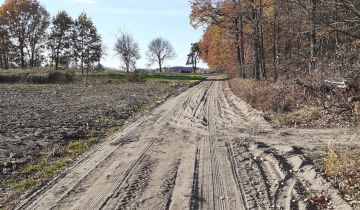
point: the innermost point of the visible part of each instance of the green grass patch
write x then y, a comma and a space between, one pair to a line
49, 164
23, 184
56, 167
45, 167
76, 148
35, 167
31, 169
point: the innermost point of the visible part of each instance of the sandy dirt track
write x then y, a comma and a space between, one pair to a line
203, 149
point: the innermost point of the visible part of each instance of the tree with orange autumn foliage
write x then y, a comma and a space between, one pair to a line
27, 22
243, 22
263, 38
228, 16
216, 50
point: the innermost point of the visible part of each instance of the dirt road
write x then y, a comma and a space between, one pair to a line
203, 149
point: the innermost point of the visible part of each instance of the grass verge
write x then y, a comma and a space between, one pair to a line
343, 169
288, 104
37, 173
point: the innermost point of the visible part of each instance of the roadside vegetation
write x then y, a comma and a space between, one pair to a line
341, 166
43, 169
289, 104
297, 61
48, 76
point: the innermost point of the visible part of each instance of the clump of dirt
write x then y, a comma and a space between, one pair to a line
35, 118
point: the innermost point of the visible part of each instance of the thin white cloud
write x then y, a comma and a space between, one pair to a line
143, 12
86, 1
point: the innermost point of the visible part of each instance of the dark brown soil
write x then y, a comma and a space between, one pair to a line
34, 118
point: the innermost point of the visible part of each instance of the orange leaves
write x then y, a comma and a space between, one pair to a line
266, 4
255, 5
201, 10
221, 19
216, 49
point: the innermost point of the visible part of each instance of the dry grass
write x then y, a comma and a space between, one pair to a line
344, 170
35, 174
267, 96
43, 76
289, 104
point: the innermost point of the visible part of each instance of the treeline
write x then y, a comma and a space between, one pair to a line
271, 38
30, 39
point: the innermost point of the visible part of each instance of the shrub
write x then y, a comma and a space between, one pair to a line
344, 169
61, 77
267, 96
136, 77
36, 76
10, 78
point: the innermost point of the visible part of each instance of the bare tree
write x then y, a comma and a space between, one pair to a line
160, 50
128, 50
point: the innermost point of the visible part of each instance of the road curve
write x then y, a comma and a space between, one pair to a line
195, 151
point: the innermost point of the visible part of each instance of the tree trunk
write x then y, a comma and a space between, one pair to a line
239, 43
238, 55
2, 61
57, 55
82, 65
57, 61
274, 47
82, 55
127, 68
22, 53
242, 48
336, 34
194, 64
32, 57
261, 42
312, 34
257, 66
160, 63
238, 47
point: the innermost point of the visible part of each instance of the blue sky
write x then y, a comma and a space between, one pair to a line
144, 19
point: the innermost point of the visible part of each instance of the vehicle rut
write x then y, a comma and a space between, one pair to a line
202, 149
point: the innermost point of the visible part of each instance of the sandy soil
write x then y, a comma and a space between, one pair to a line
203, 149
